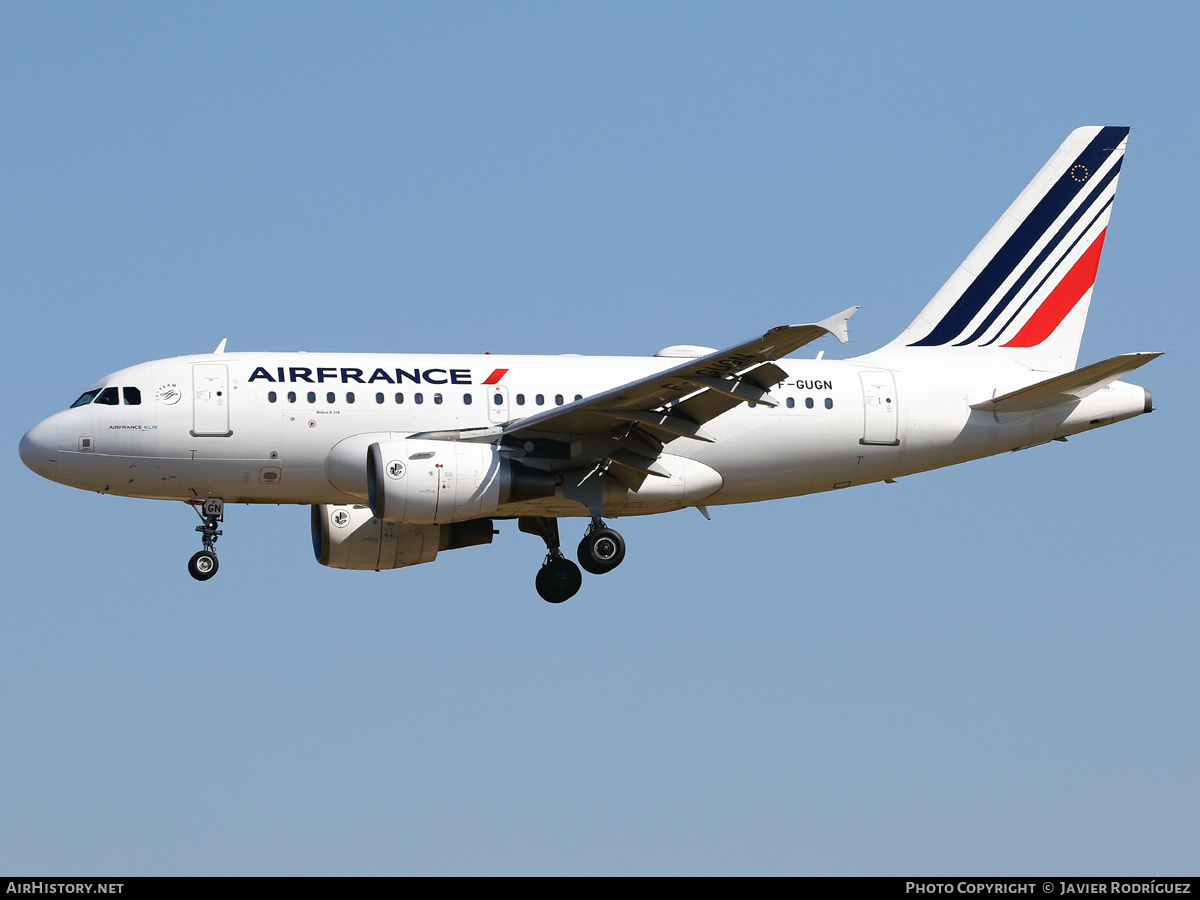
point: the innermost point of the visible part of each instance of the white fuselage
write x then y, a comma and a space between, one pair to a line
265, 427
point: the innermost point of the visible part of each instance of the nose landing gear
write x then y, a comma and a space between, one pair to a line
203, 565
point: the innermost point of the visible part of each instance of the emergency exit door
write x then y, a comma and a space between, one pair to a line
497, 401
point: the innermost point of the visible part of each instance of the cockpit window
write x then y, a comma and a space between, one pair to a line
85, 399
108, 397
133, 397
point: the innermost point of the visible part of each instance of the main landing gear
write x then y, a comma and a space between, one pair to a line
203, 565
600, 551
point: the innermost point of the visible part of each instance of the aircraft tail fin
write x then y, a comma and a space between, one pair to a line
1023, 292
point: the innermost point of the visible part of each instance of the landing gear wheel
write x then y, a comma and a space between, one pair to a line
601, 550
211, 511
203, 565
558, 580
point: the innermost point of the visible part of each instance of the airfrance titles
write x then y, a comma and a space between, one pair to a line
351, 375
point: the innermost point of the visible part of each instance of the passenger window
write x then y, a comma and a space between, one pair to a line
272, 396
752, 405
558, 401
329, 397
520, 399
399, 398
791, 401
829, 403
541, 399
312, 396
808, 404
88, 397
349, 396
579, 396
132, 396
108, 397
291, 396
379, 398
418, 397
498, 399
467, 399
437, 398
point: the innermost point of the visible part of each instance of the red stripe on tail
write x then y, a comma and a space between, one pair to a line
1062, 299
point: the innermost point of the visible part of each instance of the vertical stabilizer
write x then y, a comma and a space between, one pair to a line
1023, 292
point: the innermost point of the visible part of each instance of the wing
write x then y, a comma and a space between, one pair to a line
695, 391
622, 431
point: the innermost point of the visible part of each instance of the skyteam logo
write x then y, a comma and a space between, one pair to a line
168, 394
395, 469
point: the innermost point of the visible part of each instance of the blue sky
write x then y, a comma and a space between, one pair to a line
987, 669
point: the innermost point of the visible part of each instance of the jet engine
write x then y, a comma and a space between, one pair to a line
423, 482
352, 537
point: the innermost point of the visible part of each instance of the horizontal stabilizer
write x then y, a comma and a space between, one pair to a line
1068, 386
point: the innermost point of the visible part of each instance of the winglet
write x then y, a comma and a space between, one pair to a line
838, 326
221, 346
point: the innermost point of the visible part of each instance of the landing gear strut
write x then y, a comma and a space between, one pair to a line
203, 565
559, 578
601, 549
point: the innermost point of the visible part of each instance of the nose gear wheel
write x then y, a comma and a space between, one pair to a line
203, 565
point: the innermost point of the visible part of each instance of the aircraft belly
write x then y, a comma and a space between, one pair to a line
762, 455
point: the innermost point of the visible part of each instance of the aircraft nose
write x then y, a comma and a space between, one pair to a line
39, 448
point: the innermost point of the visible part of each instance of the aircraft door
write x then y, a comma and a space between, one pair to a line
880, 416
210, 400
497, 401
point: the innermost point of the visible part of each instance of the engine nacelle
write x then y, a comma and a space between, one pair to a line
423, 482
352, 537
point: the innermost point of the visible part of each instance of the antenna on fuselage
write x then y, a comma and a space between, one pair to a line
221, 346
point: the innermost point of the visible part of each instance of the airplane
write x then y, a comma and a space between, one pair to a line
403, 456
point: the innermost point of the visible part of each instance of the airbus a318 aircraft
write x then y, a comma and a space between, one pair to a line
401, 456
